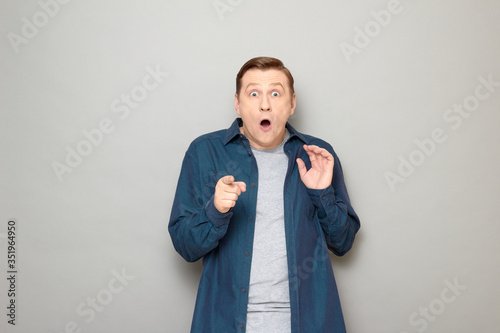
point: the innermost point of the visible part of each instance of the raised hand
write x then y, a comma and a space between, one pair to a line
319, 176
227, 192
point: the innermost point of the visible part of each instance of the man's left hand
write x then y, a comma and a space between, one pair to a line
319, 176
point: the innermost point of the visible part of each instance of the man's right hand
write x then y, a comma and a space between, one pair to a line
227, 192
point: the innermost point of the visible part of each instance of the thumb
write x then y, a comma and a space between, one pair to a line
228, 180
302, 167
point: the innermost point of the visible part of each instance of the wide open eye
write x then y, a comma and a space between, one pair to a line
275, 94
254, 94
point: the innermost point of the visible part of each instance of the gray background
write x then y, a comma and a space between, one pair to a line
110, 213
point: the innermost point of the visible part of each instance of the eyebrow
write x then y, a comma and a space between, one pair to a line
258, 84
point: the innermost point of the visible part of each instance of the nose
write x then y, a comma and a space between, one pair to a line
264, 104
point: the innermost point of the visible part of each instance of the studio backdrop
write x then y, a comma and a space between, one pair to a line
100, 100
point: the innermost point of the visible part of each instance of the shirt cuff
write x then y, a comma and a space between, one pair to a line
323, 199
217, 218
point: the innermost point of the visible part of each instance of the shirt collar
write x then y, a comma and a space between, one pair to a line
295, 133
234, 131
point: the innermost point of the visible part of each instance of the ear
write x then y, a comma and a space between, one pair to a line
294, 104
237, 104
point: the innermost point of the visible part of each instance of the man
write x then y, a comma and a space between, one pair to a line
262, 203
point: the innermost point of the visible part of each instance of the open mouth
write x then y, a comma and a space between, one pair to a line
265, 124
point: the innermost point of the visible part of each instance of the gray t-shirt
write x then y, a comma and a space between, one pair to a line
268, 295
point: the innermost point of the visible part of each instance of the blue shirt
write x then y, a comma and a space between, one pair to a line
315, 221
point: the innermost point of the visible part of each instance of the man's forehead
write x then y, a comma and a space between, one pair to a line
270, 76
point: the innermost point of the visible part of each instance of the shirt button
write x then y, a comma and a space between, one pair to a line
241, 325
243, 290
247, 254
324, 197
253, 184
250, 218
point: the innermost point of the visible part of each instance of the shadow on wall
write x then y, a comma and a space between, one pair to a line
190, 271
351, 257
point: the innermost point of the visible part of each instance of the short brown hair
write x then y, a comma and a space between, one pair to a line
263, 63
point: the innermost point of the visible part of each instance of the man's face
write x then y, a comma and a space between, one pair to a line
264, 103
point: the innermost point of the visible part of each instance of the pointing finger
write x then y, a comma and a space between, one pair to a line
242, 186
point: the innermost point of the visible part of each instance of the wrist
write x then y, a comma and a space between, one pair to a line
215, 216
